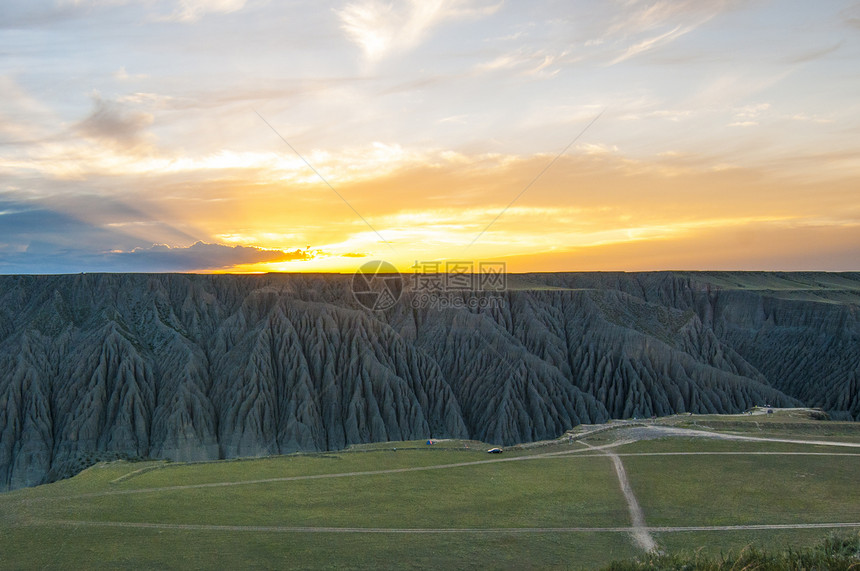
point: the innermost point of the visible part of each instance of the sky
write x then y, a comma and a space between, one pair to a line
551, 135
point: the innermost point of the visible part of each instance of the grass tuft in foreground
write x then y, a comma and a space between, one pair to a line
836, 553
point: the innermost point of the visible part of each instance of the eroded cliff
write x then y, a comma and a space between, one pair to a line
195, 367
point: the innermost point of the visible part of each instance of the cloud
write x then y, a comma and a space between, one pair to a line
590, 197
191, 10
653, 42
810, 118
203, 256
85, 223
42, 257
641, 16
71, 233
851, 16
114, 123
749, 115
123, 75
754, 246
380, 27
813, 55
537, 63
753, 110
650, 25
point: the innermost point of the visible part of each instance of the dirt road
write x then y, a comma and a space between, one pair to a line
463, 530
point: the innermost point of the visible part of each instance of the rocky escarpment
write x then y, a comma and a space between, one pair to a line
202, 367
799, 332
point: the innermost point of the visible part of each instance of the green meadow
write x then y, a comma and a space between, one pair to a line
449, 505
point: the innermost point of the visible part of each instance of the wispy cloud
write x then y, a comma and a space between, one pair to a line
641, 15
114, 124
652, 42
851, 16
814, 54
748, 115
811, 118
649, 25
190, 10
380, 27
753, 110
539, 63
122, 75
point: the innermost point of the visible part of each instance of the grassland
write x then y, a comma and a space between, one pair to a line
450, 505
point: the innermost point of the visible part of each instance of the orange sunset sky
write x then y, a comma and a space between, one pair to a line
172, 135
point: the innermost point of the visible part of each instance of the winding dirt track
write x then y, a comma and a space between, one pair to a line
488, 530
320, 476
662, 431
583, 453
638, 529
